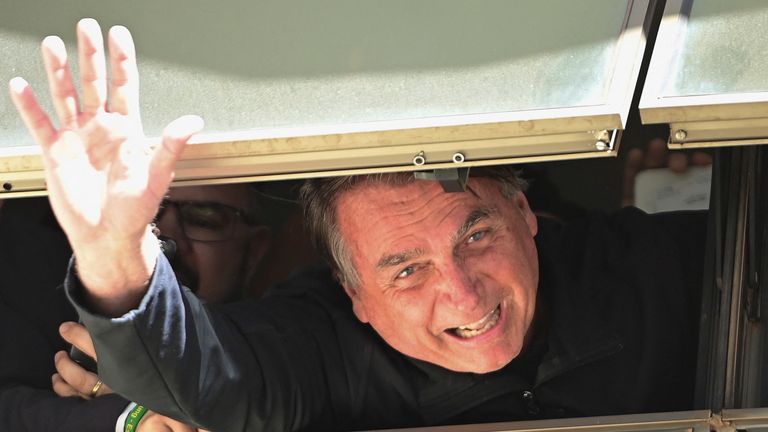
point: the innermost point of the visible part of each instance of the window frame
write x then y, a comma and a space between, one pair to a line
697, 121
481, 139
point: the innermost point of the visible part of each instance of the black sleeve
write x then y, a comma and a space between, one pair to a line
33, 261
27, 409
247, 368
659, 262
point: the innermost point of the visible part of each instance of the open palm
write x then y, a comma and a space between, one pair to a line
105, 180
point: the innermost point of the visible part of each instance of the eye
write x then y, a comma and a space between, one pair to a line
475, 237
406, 272
204, 216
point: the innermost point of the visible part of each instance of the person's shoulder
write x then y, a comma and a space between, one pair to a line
634, 218
633, 230
626, 224
308, 299
626, 242
314, 283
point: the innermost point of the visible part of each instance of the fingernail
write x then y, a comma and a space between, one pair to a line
184, 126
58, 356
65, 327
56, 45
18, 84
89, 22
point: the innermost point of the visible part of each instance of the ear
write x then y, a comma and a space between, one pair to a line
260, 242
525, 210
358, 307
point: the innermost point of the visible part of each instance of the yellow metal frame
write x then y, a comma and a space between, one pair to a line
698, 421
715, 120
481, 139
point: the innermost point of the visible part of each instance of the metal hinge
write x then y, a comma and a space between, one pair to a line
719, 424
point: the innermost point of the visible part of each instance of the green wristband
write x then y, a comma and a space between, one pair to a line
134, 417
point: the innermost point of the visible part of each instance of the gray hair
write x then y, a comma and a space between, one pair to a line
319, 196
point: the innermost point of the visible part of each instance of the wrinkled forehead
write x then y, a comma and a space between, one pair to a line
375, 213
372, 195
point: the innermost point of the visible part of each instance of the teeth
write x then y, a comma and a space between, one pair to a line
479, 327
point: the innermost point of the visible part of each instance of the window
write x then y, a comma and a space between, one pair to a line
706, 76
303, 88
294, 90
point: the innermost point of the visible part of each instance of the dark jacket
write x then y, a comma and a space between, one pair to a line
615, 333
33, 260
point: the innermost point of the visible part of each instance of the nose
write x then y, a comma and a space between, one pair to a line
459, 290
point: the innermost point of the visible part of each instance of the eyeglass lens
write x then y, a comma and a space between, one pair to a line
203, 221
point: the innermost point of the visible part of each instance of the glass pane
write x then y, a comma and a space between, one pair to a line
268, 64
724, 49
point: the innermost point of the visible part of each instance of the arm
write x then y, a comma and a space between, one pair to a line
27, 403
251, 368
105, 181
157, 344
73, 382
24, 408
32, 304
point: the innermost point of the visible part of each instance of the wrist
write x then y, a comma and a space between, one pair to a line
133, 418
116, 275
120, 423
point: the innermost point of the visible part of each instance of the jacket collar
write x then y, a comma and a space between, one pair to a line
577, 335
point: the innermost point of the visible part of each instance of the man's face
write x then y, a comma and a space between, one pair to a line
448, 278
215, 270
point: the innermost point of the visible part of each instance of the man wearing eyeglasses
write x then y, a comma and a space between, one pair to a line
435, 323
218, 242
218, 237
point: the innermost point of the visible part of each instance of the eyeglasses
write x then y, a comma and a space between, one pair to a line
205, 221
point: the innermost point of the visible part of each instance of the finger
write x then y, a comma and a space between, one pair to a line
74, 375
634, 163
656, 156
61, 388
78, 335
36, 120
635, 160
63, 93
124, 85
678, 162
175, 137
93, 69
701, 159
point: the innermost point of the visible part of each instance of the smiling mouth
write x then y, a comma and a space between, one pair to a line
478, 327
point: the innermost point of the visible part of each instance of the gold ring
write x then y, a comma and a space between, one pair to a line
96, 388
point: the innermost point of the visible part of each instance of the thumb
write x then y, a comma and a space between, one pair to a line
175, 137
77, 335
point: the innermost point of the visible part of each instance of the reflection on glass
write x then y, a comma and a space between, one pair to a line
265, 64
723, 49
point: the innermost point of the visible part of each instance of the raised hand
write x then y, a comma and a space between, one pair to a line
657, 155
105, 181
